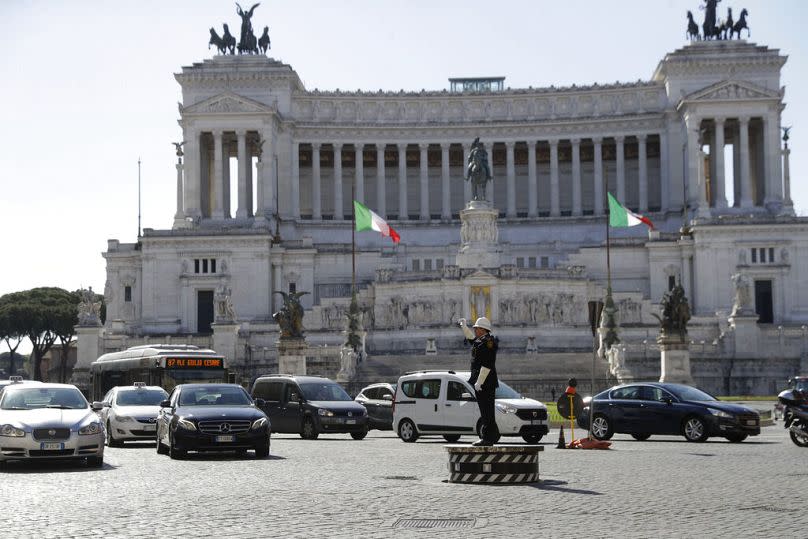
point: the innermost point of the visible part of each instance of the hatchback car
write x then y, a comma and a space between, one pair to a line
49, 421
130, 413
211, 417
645, 409
443, 403
309, 405
378, 401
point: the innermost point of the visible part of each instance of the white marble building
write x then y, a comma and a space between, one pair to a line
264, 205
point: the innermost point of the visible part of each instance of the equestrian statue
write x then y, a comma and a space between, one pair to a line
478, 172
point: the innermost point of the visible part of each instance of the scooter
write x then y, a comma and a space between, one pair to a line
795, 415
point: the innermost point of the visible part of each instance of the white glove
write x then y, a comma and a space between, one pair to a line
478, 386
462, 322
467, 333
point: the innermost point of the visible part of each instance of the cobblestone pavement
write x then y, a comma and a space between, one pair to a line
338, 487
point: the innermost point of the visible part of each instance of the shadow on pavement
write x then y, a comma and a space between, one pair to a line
52, 466
559, 486
225, 456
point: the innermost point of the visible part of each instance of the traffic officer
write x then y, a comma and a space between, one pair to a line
483, 375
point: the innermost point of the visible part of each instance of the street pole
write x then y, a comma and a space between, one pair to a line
138, 197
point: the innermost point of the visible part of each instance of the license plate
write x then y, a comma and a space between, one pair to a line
149, 427
51, 446
751, 422
228, 438
350, 421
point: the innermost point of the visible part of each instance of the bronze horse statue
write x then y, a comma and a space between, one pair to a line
740, 25
478, 171
692, 28
290, 316
263, 41
709, 27
225, 43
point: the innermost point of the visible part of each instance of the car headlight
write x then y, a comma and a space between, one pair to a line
91, 428
186, 424
323, 411
11, 430
259, 423
123, 418
505, 409
720, 413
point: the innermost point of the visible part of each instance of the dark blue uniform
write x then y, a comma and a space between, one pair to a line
484, 354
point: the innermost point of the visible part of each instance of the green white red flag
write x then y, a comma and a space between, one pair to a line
366, 219
620, 216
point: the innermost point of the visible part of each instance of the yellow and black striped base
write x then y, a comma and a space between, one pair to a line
494, 464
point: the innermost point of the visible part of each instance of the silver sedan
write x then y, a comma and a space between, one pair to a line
49, 421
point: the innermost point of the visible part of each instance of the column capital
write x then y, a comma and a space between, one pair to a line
743, 120
619, 139
316, 146
402, 146
642, 137
597, 140
509, 145
575, 141
445, 145
692, 121
241, 132
380, 146
719, 120
423, 146
553, 142
337, 146
217, 133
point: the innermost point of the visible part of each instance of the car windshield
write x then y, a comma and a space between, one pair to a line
323, 391
141, 397
67, 398
504, 391
687, 393
214, 396
801, 385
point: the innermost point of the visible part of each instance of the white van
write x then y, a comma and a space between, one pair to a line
443, 403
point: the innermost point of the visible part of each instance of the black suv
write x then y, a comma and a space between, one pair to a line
309, 405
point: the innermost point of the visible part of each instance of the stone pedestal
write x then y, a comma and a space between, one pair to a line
225, 340
88, 347
675, 355
747, 335
478, 236
292, 356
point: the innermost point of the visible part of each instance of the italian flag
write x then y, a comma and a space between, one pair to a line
367, 220
620, 216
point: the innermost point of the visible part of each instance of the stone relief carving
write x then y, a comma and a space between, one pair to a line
784, 255
451, 271
401, 313
575, 270
384, 275
629, 311
554, 309
225, 311
507, 271
228, 104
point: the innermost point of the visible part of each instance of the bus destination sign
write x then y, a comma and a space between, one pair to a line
194, 363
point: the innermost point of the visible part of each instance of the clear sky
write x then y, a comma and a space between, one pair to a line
87, 88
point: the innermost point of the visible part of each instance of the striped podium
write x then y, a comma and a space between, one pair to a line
494, 464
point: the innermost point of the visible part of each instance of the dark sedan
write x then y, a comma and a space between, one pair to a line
211, 417
378, 400
644, 409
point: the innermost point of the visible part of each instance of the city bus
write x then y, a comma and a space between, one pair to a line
164, 365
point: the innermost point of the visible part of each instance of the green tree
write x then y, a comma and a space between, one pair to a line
42, 314
12, 332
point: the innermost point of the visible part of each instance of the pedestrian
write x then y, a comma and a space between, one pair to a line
483, 375
552, 392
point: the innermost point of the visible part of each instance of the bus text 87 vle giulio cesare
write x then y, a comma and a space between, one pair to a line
164, 365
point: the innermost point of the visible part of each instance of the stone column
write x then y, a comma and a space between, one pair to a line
532, 181
692, 124
267, 175
226, 179
466, 183
719, 181
403, 211
277, 285
359, 171
788, 204
489, 186
642, 156
555, 209
598, 175
218, 187
316, 200
295, 180
664, 172
180, 214
704, 204
620, 167
193, 161
772, 155
446, 208
338, 213
746, 180
250, 202
576, 177
381, 193
510, 172
260, 211
424, 214
242, 210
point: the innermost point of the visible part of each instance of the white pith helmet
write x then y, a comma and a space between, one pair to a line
483, 322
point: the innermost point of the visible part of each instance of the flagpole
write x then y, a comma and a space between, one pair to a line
610, 338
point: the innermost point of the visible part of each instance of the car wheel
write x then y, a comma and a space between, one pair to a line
95, 462
532, 438
262, 451
173, 452
601, 427
309, 430
407, 431
111, 441
359, 435
451, 438
694, 429
641, 436
736, 438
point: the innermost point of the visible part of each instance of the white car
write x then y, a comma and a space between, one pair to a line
130, 413
443, 403
49, 421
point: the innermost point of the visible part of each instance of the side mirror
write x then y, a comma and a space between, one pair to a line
260, 403
97, 406
387, 397
466, 397
165, 404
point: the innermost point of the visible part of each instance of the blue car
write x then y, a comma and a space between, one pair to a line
647, 408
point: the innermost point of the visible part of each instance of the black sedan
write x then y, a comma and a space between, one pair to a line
211, 417
644, 409
378, 400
